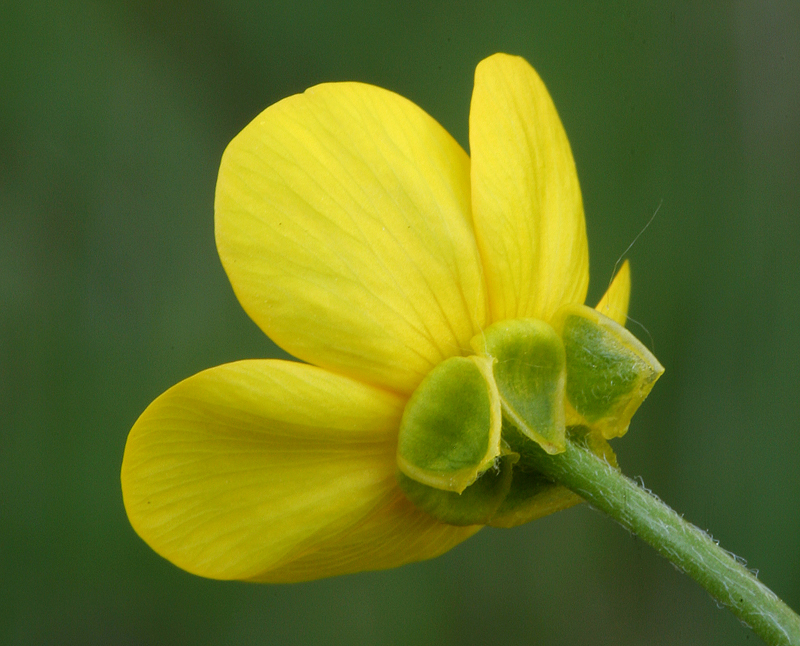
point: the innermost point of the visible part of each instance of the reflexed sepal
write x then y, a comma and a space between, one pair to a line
530, 372
593, 441
531, 496
450, 431
474, 506
609, 372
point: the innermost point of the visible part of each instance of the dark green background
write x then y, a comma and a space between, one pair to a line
113, 117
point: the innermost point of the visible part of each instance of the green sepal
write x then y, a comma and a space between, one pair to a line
609, 371
474, 506
450, 430
593, 441
532, 495
530, 373
529, 497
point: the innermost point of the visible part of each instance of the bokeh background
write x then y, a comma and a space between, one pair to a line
113, 117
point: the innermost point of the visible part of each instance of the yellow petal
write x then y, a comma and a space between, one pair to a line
395, 533
343, 221
244, 470
614, 303
526, 201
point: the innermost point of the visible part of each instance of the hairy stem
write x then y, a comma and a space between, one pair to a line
686, 546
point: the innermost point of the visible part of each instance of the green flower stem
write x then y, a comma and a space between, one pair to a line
690, 549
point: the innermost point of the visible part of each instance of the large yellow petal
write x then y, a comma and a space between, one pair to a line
246, 470
526, 200
614, 303
394, 533
343, 221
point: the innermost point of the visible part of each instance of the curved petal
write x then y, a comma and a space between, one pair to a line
343, 222
395, 533
526, 201
245, 469
614, 303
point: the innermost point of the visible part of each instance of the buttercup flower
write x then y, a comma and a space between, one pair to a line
365, 242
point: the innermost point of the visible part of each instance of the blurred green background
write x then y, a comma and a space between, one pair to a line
113, 117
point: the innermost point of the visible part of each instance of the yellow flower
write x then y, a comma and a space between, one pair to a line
364, 241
